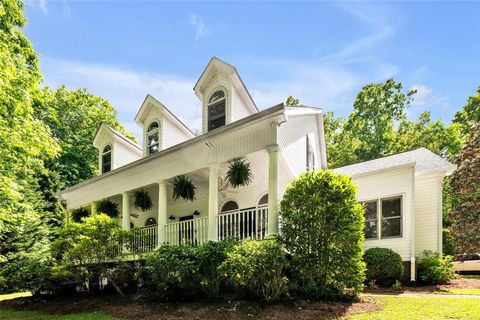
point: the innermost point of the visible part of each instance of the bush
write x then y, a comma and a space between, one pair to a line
258, 268
322, 229
433, 268
384, 266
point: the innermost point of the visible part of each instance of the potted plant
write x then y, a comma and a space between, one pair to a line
142, 200
109, 208
239, 173
78, 214
183, 188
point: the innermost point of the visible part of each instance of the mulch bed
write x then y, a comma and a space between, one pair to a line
128, 308
459, 283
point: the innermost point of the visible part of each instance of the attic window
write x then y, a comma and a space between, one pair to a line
216, 110
107, 159
153, 145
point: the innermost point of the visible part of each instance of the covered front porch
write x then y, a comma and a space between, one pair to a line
218, 211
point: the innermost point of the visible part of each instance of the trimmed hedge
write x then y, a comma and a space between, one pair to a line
322, 229
384, 266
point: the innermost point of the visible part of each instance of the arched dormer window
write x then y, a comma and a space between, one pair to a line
153, 144
216, 110
107, 159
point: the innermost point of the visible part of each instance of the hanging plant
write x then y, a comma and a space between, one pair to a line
239, 173
109, 208
79, 213
142, 200
183, 188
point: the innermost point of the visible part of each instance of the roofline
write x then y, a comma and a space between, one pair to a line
366, 173
118, 134
280, 108
166, 108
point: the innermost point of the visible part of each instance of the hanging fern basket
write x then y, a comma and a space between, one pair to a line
183, 188
239, 173
143, 200
78, 214
109, 208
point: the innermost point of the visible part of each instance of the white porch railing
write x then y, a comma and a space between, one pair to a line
187, 232
144, 239
249, 223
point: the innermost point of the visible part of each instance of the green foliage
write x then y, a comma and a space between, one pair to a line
142, 200
239, 173
433, 268
322, 228
183, 188
292, 101
448, 242
384, 266
257, 268
469, 116
108, 207
79, 213
465, 190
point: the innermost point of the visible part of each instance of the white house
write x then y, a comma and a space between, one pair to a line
402, 192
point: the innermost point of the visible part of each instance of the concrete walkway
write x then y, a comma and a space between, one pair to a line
423, 295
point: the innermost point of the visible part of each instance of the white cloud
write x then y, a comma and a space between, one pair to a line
199, 25
126, 89
423, 95
42, 4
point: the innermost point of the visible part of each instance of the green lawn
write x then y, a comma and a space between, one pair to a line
421, 308
460, 291
6, 314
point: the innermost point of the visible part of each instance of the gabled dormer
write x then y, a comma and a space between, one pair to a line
161, 128
114, 149
223, 94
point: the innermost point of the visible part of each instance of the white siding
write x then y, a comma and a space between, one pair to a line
239, 108
172, 134
218, 81
387, 184
293, 142
124, 154
428, 213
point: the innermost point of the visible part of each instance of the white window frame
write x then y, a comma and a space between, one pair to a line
103, 153
211, 104
149, 133
380, 218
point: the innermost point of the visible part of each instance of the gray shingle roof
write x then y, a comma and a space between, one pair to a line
424, 160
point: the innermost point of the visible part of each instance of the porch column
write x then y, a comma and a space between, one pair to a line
93, 208
212, 201
272, 191
126, 211
162, 211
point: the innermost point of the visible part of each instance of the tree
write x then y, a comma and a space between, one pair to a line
375, 110
339, 142
465, 188
469, 116
322, 229
292, 101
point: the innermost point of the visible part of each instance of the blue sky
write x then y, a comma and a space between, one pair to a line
321, 52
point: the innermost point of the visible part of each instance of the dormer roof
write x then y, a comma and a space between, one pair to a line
149, 104
105, 129
214, 66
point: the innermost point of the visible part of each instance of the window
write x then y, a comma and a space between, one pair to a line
391, 217
216, 110
229, 206
370, 228
153, 145
150, 222
386, 223
107, 159
263, 200
310, 156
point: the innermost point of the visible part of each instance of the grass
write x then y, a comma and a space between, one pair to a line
7, 314
460, 291
423, 308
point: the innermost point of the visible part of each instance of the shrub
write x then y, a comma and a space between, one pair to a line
384, 266
433, 268
172, 272
322, 229
258, 268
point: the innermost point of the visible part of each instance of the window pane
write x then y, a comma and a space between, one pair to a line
230, 205
217, 96
217, 123
391, 227
153, 149
153, 126
370, 229
217, 110
263, 200
370, 210
107, 148
391, 207
153, 139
